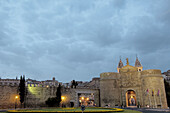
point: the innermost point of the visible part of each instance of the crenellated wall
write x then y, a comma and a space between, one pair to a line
148, 87
37, 95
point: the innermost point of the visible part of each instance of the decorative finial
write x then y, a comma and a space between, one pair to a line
136, 56
120, 65
127, 61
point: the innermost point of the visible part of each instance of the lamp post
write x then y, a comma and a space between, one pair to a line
16, 97
62, 100
82, 101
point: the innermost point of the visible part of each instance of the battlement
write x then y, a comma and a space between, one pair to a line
151, 72
109, 75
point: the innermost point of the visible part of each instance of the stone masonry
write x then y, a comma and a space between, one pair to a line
146, 88
131, 86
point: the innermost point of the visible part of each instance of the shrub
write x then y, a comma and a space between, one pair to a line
51, 102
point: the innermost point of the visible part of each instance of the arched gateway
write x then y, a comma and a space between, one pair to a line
131, 98
132, 86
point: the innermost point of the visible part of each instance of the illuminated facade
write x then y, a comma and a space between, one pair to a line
39, 91
132, 86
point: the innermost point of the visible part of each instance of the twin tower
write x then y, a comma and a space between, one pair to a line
137, 64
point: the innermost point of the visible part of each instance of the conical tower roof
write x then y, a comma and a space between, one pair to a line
137, 63
120, 65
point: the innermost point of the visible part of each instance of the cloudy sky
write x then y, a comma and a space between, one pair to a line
79, 39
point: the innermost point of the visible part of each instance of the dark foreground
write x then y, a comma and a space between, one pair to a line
143, 110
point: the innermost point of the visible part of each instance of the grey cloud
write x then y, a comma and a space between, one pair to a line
148, 36
79, 39
84, 53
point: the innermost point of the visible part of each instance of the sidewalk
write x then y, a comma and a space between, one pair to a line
159, 110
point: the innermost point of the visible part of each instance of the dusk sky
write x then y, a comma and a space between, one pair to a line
79, 39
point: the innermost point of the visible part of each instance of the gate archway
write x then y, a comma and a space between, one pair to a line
131, 98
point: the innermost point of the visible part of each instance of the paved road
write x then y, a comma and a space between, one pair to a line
151, 110
3, 110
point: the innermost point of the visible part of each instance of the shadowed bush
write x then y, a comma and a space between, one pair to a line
51, 102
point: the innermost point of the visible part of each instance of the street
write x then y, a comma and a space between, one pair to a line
144, 110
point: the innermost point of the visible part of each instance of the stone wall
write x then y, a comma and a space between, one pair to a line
7, 96
109, 89
114, 86
37, 95
113, 89
153, 81
131, 81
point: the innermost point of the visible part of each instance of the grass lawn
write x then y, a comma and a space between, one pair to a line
77, 110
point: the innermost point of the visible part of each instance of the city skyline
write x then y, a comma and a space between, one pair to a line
79, 39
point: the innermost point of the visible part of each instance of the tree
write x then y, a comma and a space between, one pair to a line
58, 95
22, 89
74, 84
51, 102
167, 89
55, 101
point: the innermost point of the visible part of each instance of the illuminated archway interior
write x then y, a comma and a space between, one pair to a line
131, 98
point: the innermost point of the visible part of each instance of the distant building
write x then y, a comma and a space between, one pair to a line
46, 83
167, 76
10, 82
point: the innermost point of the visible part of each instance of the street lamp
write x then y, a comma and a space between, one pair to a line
62, 100
16, 97
82, 98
